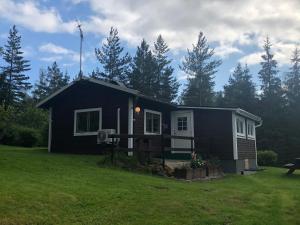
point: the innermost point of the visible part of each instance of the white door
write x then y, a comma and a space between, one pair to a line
182, 125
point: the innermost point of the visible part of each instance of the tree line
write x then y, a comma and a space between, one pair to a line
150, 71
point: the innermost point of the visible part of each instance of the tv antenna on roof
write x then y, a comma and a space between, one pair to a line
81, 38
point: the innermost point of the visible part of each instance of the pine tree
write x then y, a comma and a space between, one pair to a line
271, 84
14, 83
167, 83
115, 65
200, 68
56, 78
96, 74
240, 92
293, 79
41, 87
144, 72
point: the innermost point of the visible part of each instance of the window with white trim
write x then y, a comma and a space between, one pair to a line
240, 126
182, 123
152, 122
87, 121
250, 129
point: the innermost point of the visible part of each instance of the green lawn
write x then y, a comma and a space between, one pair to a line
41, 188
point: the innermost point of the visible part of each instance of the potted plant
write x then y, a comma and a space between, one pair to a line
198, 166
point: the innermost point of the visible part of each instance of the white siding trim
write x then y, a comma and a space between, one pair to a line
130, 121
50, 129
87, 110
234, 137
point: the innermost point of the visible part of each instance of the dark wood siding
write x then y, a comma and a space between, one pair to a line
213, 133
165, 110
84, 95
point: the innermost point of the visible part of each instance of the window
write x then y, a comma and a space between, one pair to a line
240, 126
182, 123
250, 129
87, 121
152, 122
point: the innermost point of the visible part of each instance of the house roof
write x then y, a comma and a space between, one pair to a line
137, 93
236, 110
114, 85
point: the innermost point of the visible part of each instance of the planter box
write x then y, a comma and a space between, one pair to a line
190, 174
214, 171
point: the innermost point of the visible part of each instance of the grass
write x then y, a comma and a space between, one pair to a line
41, 188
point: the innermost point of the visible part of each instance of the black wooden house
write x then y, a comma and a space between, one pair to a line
79, 110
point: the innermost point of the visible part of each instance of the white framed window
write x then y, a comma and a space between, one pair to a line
182, 123
240, 127
250, 129
87, 121
152, 122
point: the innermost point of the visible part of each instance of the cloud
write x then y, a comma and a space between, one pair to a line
57, 53
224, 50
29, 15
240, 23
251, 59
56, 49
53, 52
282, 53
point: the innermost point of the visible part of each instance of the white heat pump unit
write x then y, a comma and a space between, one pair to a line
102, 136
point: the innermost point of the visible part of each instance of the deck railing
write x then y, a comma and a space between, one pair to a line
141, 137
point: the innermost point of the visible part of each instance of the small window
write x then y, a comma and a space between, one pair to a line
152, 122
182, 123
250, 129
240, 126
87, 121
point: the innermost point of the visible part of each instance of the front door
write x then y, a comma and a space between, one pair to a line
182, 125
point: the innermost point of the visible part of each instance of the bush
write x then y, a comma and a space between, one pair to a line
267, 158
21, 136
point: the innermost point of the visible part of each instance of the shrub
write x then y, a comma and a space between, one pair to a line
196, 161
267, 158
21, 136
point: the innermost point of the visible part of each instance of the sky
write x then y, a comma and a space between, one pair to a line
236, 30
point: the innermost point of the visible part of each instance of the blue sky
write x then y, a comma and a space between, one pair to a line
236, 29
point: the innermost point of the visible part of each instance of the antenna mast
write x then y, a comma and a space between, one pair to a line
81, 38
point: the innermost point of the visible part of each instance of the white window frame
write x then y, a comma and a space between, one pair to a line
87, 110
249, 122
241, 135
160, 119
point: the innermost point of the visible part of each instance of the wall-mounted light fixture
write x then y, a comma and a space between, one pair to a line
137, 109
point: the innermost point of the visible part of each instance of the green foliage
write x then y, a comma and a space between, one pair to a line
26, 127
143, 76
168, 84
21, 136
240, 92
200, 66
196, 161
13, 81
50, 81
116, 66
266, 158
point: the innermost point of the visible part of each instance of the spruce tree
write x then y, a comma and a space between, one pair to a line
96, 74
240, 92
271, 105
270, 82
200, 67
293, 79
41, 87
144, 72
167, 83
115, 65
14, 82
56, 78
